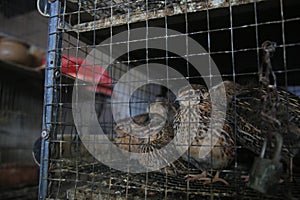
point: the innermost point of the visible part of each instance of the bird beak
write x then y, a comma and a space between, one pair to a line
178, 99
176, 103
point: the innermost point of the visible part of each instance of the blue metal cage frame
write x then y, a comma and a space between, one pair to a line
51, 73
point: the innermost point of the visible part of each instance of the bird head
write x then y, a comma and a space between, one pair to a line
192, 95
158, 108
122, 129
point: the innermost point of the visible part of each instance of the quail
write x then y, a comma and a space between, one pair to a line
124, 139
145, 137
194, 118
159, 113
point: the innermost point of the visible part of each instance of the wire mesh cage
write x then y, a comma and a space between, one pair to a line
117, 69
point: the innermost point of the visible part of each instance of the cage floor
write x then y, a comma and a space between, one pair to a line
100, 182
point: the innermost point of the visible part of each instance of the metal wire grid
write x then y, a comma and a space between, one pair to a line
111, 184
256, 27
101, 10
73, 173
17, 120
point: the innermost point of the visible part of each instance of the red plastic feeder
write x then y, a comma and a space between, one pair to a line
88, 72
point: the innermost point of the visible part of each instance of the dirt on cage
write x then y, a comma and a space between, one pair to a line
103, 14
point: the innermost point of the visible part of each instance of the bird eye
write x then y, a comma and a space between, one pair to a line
191, 93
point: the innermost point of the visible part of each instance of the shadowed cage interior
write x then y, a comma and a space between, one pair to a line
231, 32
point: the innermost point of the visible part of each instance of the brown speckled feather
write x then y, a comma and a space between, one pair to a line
250, 122
194, 117
141, 141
